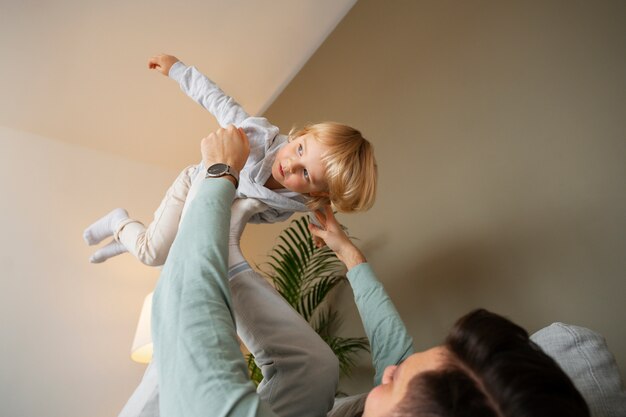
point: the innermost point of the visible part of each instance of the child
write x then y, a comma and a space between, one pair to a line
321, 164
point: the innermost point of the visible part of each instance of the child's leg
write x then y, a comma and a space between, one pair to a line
152, 244
300, 371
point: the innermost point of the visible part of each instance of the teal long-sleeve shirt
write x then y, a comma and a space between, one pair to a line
200, 367
389, 340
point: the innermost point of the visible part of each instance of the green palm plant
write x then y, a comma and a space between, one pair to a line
305, 276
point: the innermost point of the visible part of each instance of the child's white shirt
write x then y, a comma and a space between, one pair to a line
265, 141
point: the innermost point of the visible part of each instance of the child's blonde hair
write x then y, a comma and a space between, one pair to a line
351, 171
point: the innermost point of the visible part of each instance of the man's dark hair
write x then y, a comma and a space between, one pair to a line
492, 369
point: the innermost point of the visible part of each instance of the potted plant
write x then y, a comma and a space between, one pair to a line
305, 276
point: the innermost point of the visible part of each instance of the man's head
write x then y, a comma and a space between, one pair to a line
331, 163
487, 366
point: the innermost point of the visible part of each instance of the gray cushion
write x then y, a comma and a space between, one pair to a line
586, 359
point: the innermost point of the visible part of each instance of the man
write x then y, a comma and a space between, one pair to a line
487, 366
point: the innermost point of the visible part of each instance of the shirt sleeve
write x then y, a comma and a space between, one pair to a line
389, 340
206, 93
201, 371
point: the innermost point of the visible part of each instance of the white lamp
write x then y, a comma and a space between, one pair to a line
142, 345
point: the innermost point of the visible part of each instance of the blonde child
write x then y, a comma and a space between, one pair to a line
321, 164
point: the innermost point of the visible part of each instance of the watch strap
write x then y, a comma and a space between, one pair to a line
219, 170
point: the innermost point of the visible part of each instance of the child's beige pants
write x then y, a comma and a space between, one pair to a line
152, 244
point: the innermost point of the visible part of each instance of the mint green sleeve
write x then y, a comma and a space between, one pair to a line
201, 369
390, 342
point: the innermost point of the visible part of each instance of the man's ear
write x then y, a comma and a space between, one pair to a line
319, 194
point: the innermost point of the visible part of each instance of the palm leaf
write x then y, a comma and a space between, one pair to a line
314, 296
253, 370
305, 275
325, 323
346, 349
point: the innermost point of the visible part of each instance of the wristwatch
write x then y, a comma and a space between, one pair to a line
219, 170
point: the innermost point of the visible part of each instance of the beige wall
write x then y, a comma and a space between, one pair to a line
501, 140
67, 325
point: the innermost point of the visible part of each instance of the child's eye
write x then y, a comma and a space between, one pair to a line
306, 174
300, 149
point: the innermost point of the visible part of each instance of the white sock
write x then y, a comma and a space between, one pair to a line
110, 250
104, 227
242, 210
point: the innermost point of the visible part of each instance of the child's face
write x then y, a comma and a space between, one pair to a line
298, 165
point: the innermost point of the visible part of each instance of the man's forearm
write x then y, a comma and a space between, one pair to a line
389, 340
201, 369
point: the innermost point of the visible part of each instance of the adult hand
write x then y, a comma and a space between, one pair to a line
334, 236
162, 63
227, 146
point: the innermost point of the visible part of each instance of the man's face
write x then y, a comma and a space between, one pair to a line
382, 399
298, 165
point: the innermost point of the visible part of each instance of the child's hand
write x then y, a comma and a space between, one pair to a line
162, 63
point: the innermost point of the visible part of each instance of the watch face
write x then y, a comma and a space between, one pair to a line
217, 169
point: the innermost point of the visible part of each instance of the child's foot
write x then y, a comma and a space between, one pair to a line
104, 227
112, 249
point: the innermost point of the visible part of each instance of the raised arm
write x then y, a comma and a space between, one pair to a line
201, 89
201, 369
389, 340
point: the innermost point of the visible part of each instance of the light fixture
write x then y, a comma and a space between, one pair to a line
142, 345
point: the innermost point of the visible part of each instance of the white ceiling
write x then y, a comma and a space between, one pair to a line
76, 70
